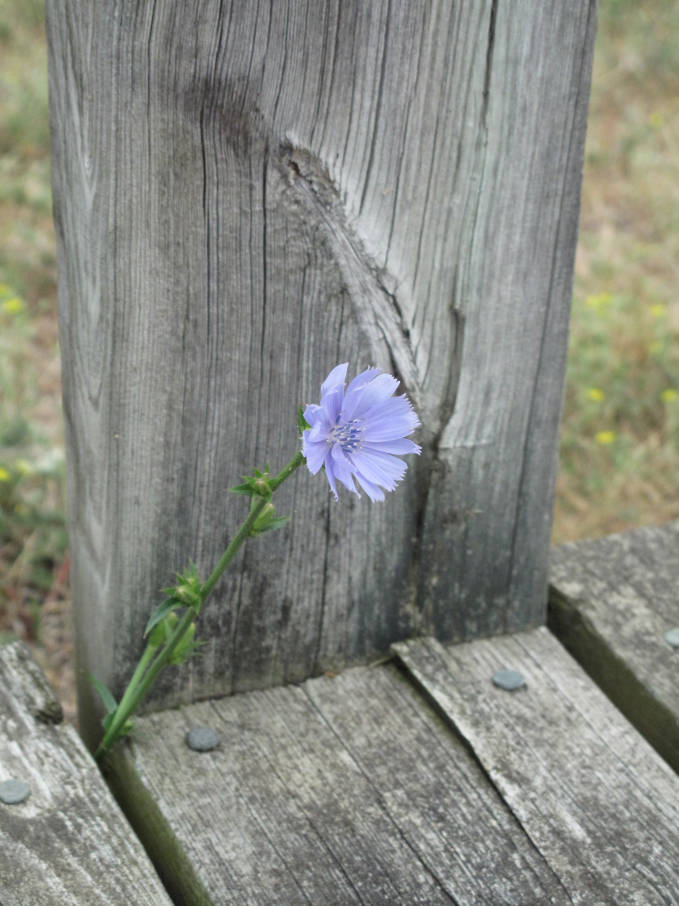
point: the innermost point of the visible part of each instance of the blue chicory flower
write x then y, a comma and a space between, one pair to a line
354, 433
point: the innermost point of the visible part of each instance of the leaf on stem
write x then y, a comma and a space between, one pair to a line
105, 695
302, 424
159, 614
275, 523
255, 485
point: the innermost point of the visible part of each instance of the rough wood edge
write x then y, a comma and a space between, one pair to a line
155, 834
656, 782
68, 842
576, 632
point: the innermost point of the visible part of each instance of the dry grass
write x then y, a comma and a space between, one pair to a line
623, 373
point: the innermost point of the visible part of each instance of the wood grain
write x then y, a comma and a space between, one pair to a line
246, 194
594, 798
611, 602
68, 843
342, 790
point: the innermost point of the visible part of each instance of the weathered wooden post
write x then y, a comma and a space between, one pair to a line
247, 194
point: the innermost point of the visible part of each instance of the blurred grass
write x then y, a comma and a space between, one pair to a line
619, 458
32, 525
620, 437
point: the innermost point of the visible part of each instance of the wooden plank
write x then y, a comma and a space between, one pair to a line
246, 194
611, 602
595, 799
342, 790
68, 842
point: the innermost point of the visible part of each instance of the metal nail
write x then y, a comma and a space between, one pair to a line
12, 792
202, 739
509, 679
672, 637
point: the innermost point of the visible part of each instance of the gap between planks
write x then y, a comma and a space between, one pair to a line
353, 789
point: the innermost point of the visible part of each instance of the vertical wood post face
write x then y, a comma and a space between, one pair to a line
247, 194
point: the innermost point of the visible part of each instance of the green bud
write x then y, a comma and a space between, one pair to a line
261, 487
157, 635
185, 646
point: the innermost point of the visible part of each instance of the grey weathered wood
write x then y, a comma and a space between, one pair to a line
611, 602
246, 194
594, 798
343, 790
68, 843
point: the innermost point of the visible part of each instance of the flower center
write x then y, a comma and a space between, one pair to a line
347, 436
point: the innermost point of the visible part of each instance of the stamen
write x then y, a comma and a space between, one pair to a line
347, 436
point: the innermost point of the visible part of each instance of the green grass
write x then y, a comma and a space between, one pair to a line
32, 524
620, 435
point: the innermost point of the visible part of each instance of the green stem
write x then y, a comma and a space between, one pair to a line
286, 471
123, 710
143, 678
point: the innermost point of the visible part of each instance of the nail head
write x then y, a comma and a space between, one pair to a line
12, 792
509, 679
672, 637
202, 739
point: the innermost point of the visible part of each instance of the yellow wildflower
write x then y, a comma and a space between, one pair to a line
595, 394
4, 474
13, 305
605, 438
22, 466
669, 395
658, 310
598, 300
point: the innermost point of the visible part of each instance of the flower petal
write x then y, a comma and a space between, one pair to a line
312, 413
379, 468
314, 454
334, 380
352, 396
371, 489
330, 475
332, 392
376, 391
399, 446
389, 420
343, 469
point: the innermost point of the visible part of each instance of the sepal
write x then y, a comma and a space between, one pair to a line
302, 424
267, 521
255, 485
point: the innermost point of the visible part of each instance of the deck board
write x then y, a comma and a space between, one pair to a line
68, 843
595, 799
611, 602
342, 790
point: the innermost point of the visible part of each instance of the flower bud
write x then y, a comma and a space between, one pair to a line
185, 646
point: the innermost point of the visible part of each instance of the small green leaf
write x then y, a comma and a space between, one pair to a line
302, 424
106, 696
276, 522
124, 730
160, 613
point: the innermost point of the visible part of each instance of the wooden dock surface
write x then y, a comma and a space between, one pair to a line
417, 781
